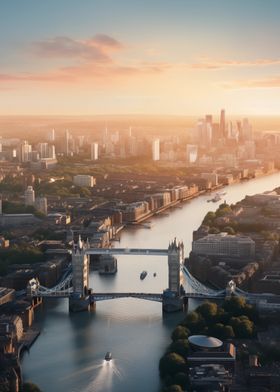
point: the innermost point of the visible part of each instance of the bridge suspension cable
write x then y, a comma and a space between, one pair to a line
197, 287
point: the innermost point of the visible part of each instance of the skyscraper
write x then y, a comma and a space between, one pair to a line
66, 147
156, 150
43, 149
247, 129
223, 123
204, 132
192, 153
51, 153
51, 135
25, 151
94, 151
209, 118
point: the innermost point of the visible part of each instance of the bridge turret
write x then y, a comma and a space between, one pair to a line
80, 267
175, 261
230, 288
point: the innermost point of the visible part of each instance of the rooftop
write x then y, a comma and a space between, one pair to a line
205, 341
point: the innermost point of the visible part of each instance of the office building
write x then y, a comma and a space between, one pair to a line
94, 151
41, 204
51, 152
156, 150
224, 245
67, 143
192, 153
43, 149
211, 177
247, 130
25, 151
84, 180
51, 135
204, 132
223, 123
29, 196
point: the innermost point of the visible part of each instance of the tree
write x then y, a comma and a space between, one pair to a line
228, 332
180, 332
30, 387
214, 230
195, 322
182, 379
229, 230
217, 330
171, 363
234, 305
180, 346
251, 312
209, 218
173, 388
208, 310
242, 326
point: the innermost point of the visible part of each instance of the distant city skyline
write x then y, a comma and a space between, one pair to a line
179, 57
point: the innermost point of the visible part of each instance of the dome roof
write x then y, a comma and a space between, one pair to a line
205, 341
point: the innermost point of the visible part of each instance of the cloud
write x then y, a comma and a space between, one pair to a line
89, 71
253, 83
93, 60
103, 40
29, 77
93, 49
218, 64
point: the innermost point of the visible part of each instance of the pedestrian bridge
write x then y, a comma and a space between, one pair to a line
127, 251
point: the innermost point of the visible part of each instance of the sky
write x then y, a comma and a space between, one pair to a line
175, 57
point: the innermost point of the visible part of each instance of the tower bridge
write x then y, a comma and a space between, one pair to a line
75, 283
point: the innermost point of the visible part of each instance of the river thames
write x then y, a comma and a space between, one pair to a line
69, 354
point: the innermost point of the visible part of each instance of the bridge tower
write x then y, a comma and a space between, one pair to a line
175, 262
80, 299
171, 297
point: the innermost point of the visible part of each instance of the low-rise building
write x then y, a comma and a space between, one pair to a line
84, 180
6, 295
210, 378
135, 211
11, 324
223, 244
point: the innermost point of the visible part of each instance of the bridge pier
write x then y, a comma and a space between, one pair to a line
81, 304
36, 301
185, 304
171, 302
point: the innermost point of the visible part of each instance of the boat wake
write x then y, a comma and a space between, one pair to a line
107, 374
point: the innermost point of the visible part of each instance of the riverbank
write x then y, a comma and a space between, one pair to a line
199, 193
28, 339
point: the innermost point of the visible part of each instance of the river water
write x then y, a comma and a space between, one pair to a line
69, 354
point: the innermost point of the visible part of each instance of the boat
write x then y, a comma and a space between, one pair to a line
155, 274
143, 275
108, 356
216, 198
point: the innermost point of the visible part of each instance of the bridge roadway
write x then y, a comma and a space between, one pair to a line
127, 251
147, 296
